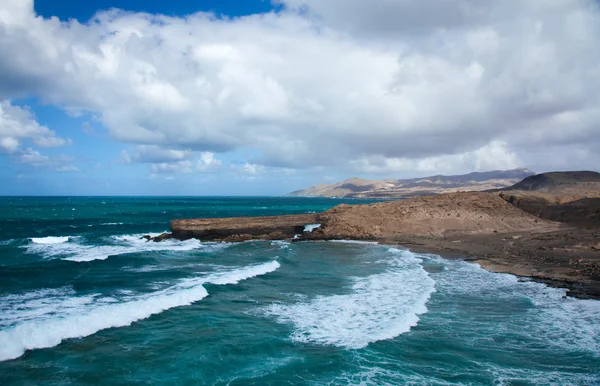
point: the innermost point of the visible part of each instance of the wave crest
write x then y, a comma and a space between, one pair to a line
45, 318
379, 307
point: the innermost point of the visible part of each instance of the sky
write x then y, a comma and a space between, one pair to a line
183, 97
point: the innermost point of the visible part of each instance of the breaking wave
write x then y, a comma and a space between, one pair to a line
74, 249
45, 318
378, 307
50, 239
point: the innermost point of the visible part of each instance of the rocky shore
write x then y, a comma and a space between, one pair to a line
482, 227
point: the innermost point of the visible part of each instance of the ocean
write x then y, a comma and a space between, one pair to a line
85, 300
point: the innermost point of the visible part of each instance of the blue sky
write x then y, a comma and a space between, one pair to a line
137, 97
84, 10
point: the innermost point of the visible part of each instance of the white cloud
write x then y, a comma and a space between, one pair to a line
34, 158
18, 124
9, 144
377, 86
206, 162
67, 169
494, 156
156, 154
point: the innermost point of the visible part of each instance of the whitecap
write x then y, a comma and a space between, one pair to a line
354, 242
74, 249
50, 239
281, 243
45, 318
378, 307
234, 276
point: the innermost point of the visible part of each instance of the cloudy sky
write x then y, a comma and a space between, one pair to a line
209, 97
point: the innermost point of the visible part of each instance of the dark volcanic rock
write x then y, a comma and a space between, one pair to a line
159, 238
162, 237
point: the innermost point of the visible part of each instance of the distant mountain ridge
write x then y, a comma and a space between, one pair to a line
398, 188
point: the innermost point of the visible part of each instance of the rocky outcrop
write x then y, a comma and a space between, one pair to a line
434, 216
162, 237
242, 228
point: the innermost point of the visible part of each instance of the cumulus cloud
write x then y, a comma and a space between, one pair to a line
205, 162
378, 86
34, 158
156, 154
493, 156
18, 124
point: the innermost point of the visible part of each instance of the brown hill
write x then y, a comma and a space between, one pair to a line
437, 216
571, 197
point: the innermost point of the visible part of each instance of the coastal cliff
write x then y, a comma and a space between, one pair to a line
242, 228
490, 228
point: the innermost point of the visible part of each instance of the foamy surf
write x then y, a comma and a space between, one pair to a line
50, 239
236, 275
563, 322
379, 307
45, 318
75, 249
353, 242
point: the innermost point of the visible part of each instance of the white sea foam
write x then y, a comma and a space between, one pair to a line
378, 307
236, 275
353, 242
311, 227
74, 249
50, 239
45, 318
564, 322
281, 243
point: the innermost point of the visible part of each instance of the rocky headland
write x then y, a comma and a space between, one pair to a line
494, 229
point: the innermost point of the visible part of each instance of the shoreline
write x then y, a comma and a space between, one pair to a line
476, 227
571, 266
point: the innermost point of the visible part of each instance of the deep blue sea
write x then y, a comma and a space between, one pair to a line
84, 300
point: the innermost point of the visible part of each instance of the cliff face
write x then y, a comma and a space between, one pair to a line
393, 188
242, 228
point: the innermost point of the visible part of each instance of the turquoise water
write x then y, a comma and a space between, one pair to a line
84, 301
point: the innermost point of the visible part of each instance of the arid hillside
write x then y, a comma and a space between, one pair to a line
571, 197
437, 216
